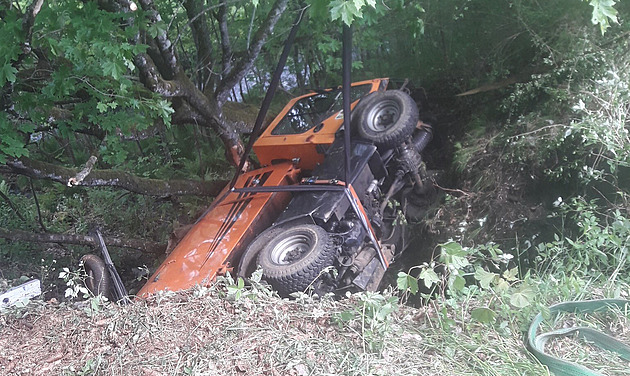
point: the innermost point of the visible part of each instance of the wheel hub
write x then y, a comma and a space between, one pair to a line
383, 116
291, 249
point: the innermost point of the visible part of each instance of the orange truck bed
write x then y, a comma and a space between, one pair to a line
222, 233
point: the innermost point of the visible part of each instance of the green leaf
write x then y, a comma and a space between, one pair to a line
447, 323
519, 300
603, 12
111, 68
485, 278
407, 282
510, 275
11, 142
164, 110
502, 285
358, 3
420, 26
256, 276
483, 315
346, 316
101, 107
429, 277
454, 254
7, 73
346, 10
156, 28
457, 282
523, 297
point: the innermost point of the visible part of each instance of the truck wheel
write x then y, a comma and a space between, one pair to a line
247, 264
387, 118
295, 257
98, 280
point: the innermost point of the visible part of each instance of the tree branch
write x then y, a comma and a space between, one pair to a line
27, 28
238, 72
152, 79
28, 22
109, 178
201, 36
39, 211
81, 175
167, 49
226, 48
142, 245
184, 114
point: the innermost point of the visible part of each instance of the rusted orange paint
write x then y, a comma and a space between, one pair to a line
219, 237
307, 146
216, 242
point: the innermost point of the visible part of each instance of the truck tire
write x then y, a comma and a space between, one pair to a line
248, 262
98, 280
387, 118
294, 258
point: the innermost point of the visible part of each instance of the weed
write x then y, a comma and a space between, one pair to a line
372, 311
237, 289
75, 283
91, 367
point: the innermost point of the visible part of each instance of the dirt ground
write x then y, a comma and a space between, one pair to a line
202, 332
196, 332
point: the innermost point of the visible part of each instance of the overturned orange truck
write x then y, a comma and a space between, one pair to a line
308, 218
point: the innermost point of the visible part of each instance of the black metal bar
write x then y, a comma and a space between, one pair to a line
273, 85
290, 188
366, 225
346, 82
120, 293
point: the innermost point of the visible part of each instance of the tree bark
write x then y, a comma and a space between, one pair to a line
34, 237
246, 62
110, 178
226, 48
161, 71
201, 36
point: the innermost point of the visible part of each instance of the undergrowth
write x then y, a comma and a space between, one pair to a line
231, 328
564, 133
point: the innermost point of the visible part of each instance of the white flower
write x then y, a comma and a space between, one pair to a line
558, 202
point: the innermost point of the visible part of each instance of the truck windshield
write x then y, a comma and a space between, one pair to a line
312, 110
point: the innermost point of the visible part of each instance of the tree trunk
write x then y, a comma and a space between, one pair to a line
34, 237
105, 178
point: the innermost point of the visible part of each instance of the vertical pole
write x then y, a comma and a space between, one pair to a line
347, 67
266, 103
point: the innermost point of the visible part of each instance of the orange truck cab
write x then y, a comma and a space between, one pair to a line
298, 238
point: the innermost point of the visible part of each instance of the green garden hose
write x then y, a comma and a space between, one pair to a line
559, 367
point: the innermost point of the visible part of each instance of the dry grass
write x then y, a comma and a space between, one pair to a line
201, 332
614, 323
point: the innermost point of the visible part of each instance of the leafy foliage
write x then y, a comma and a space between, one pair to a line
83, 58
372, 312
603, 13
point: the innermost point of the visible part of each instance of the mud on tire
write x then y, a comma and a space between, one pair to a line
295, 256
386, 118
